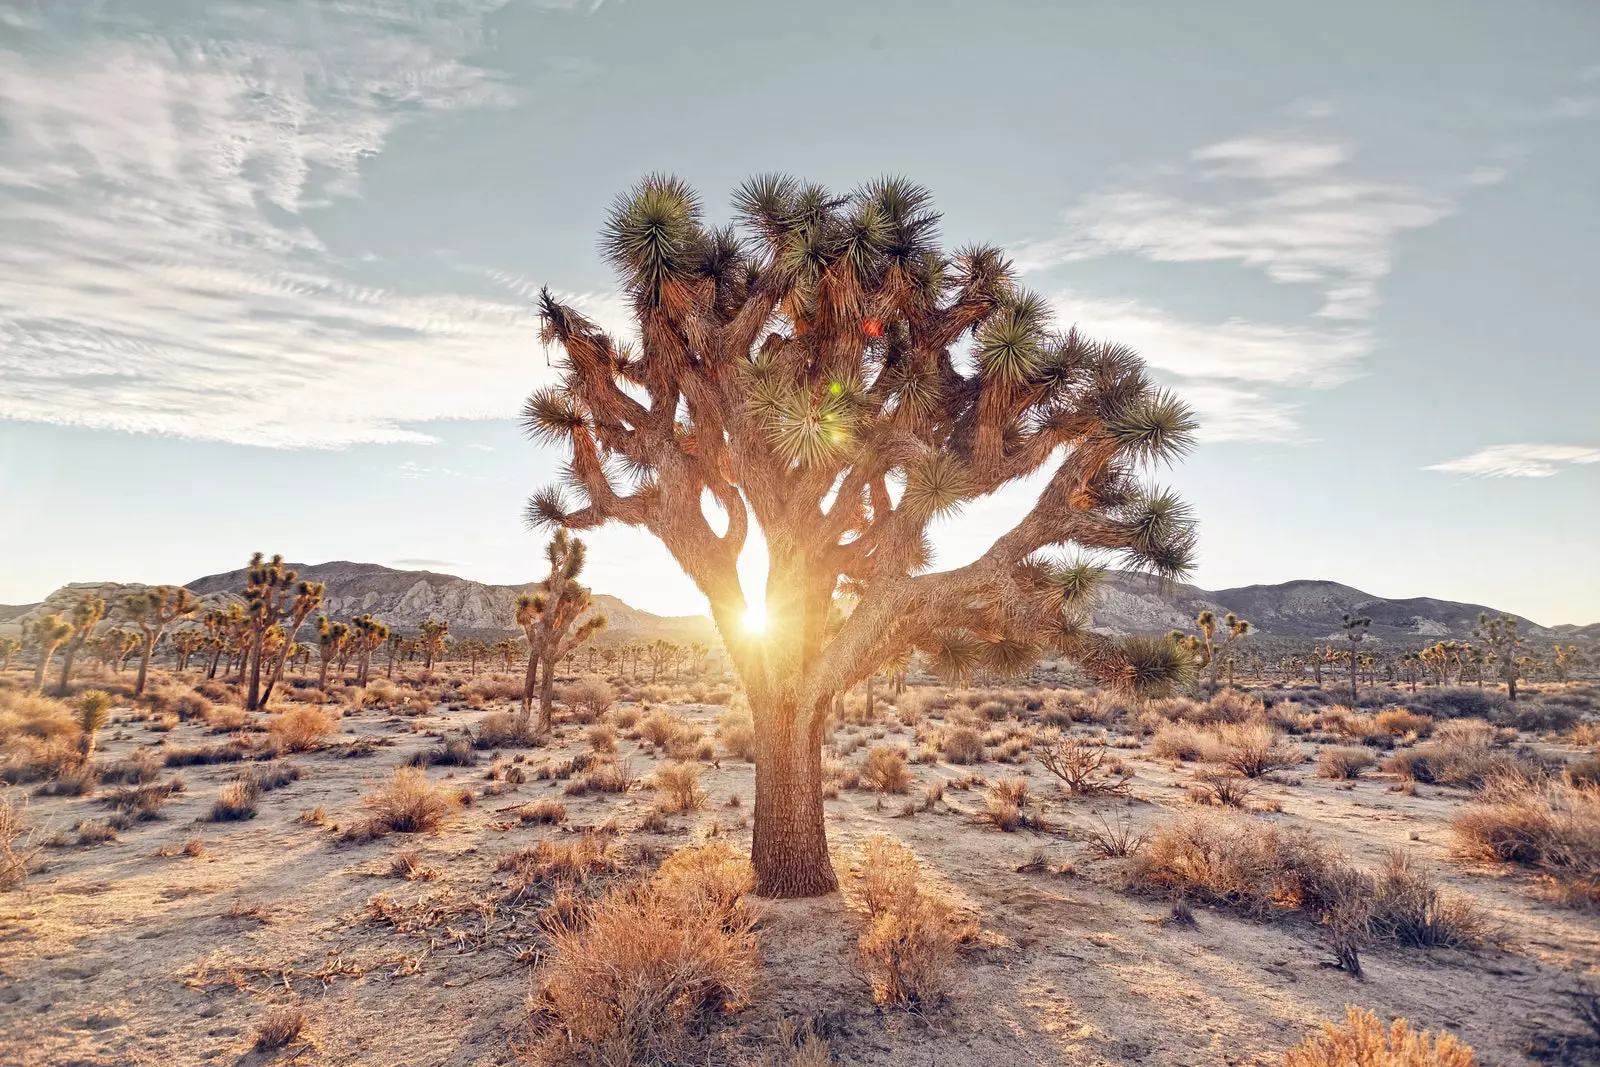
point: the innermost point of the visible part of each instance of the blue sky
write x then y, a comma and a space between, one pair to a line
265, 266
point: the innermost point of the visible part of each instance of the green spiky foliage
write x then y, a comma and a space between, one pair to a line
269, 591
332, 640
828, 372
94, 709
86, 615
47, 632
433, 634
307, 598
553, 618
9, 647
1355, 631
152, 611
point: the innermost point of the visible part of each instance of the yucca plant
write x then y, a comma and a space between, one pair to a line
152, 611
826, 371
47, 631
86, 615
94, 709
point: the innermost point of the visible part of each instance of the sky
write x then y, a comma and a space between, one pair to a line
266, 265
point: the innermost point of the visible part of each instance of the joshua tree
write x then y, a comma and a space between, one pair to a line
811, 374
393, 645
9, 647
47, 631
153, 611
1355, 631
332, 637
1503, 645
94, 707
307, 598
1237, 628
554, 608
269, 587
1206, 622
185, 643
86, 615
368, 635
433, 635
1564, 659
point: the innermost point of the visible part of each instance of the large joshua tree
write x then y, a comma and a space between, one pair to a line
269, 593
86, 615
307, 598
152, 611
826, 371
47, 631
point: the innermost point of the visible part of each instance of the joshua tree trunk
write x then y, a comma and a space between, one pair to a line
547, 689
66, 665
145, 653
215, 656
529, 680
322, 675
45, 653
790, 851
1354, 695
870, 679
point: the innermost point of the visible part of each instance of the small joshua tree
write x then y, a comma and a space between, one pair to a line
94, 707
1503, 645
86, 615
433, 634
331, 640
47, 631
556, 606
829, 373
368, 635
9, 647
152, 611
269, 588
1355, 631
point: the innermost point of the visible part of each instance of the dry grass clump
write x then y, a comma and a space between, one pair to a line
1344, 762
1009, 806
1084, 769
608, 777
301, 729
1179, 741
1363, 1041
1399, 722
1251, 748
660, 727
602, 737
236, 801
547, 811
407, 804
281, 1027
884, 769
16, 844
1405, 906
1226, 789
962, 744
498, 729
565, 862
382, 693
632, 975
737, 732
142, 802
910, 941
588, 699
1553, 828
680, 787
1463, 752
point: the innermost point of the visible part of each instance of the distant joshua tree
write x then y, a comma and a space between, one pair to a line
86, 615
799, 373
332, 638
47, 631
152, 612
554, 607
307, 598
368, 635
433, 635
1503, 645
9, 647
269, 588
1355, 631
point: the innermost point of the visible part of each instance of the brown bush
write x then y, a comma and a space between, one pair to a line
16, 844
407, 804
660, 727
1363, 1041
910, 942
566, 862
680, 787
737, 732
1178, 741
236, 801
602, 737
1553, 828
1251, 748
301, 729
1406, 907
1345, 761
629, 978
1463, 752
281, 1027
588, 699
1398, 722
498, 729
962, 744
1082, 768
884, 769
547, 810
607, 777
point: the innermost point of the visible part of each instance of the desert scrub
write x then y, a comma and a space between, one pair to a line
407, 804
1463, 752
1179, 741
1083, 769
281, 1027
1363, 1041
1552, 828
548, 811
564, 862
962, 744
632, 976
301, 729
909, 944
884, 769
16, 844
680, 787
737, 732
1251, 748
1344, 761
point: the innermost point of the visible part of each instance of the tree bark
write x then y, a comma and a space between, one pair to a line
547, 689
144, 662
66, 666
529, 680
789, 847
44, 665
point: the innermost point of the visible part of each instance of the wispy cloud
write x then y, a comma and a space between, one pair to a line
420, 563
1519, 461
159, 273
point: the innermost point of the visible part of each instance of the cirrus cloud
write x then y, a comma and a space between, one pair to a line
1519, 461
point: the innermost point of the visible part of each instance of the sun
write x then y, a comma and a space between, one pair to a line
755, 618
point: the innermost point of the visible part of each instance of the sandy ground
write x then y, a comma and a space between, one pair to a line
116, 954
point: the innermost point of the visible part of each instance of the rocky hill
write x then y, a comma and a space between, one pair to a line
1294, 612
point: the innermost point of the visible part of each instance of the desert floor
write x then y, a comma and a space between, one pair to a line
134, 951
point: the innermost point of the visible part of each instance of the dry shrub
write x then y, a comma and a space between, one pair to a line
687, 744
1553, 828
884, 769
407, 804
962, 744
1178, 741
680, 787
498, 729
625, 718
910, 942
737, 732
1082, 768
1251, 748
1463, 752
223, 718
602, 737
236, 801
566, 862
632, 975
281, 1027
301, 729
1363, 1041
1230, 706
548, 811
1398, 722
143, 802
1345, 761
660, 727
1008, 806
1406, 907
588, 699
16, 844
1226, 789
609, 777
